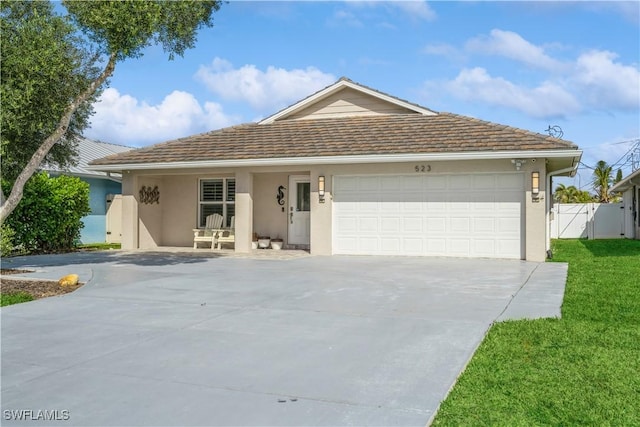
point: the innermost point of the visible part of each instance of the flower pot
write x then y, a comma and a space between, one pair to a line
254, 244
276, 244
264, 242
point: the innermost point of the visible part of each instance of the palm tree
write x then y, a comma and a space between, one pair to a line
602, 181
571, 194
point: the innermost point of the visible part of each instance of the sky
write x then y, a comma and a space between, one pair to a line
531, 65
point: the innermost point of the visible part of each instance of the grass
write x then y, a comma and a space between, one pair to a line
582, 369
99, 246
14, 298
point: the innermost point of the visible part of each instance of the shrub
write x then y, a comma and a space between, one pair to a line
48, 218
6, 240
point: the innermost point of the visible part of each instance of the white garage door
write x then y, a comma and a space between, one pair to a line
461, 215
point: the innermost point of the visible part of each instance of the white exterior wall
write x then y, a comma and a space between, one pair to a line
170, 223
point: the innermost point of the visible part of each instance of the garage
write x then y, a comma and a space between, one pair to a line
475, 215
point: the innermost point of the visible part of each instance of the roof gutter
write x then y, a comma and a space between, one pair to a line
336, 160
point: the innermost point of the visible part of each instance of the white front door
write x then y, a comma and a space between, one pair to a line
299, 207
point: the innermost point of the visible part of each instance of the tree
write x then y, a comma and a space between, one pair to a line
618, 176
602, 181
571, 194
44, 64
114, 30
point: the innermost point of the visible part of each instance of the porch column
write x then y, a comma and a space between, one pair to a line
244, 210
129, 211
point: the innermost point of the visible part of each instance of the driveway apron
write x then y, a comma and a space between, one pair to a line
178, 340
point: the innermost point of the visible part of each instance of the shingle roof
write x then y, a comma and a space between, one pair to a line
89, 150
364, 135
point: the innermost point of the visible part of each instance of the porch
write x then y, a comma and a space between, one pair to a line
271, 203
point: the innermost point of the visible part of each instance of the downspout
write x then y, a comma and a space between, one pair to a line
548, 200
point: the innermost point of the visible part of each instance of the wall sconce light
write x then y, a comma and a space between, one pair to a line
518, 163
535, 185
321, 188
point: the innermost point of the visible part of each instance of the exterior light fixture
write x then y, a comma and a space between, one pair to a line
321, 188
535, 185
518, 163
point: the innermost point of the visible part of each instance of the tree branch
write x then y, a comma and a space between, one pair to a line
18, 187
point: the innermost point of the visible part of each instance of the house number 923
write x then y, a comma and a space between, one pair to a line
422, 168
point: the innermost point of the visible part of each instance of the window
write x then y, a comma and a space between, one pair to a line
217, 196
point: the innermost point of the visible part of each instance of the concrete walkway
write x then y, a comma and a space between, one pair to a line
188, 339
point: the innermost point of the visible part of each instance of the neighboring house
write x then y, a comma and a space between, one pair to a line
361, 172
630, 189
101, 184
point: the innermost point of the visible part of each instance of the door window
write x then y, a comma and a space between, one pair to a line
303, 192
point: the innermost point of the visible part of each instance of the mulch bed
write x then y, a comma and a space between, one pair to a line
37, 288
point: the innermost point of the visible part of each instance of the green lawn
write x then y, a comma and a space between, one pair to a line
580, 370
14, 298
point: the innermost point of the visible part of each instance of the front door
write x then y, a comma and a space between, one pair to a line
299, 207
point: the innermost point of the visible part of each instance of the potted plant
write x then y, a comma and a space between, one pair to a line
276, 244
264, 242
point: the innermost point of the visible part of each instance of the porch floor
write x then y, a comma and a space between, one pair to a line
207, 252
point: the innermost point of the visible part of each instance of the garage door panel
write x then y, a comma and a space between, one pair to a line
346, 225
508, 225
414, 183
435, 225
369, 183
460, 225
469, 215
412, 225
368, 224
438, 182
390, 225
369, 244
413, 246
459, 247
484, 182
484, 225
459, 182
391, 245
436, 246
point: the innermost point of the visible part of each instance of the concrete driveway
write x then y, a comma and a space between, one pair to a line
182, 340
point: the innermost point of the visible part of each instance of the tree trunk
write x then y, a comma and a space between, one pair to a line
14, 198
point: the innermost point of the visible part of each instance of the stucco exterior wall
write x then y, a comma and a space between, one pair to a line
180, 213
171, 222
150, 215
270, 218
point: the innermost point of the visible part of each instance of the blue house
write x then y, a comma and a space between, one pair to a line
101, 185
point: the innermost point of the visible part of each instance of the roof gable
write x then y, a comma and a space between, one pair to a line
346, 99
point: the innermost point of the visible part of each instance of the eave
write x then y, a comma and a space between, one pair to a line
570, 157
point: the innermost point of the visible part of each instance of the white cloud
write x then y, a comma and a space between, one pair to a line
443, 49
122, 119
544, 101
342, 17
592, 81
513, 46
266, 91
605, 83
416, 9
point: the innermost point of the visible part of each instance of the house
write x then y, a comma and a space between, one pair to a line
630, 189
351, 170
102, 187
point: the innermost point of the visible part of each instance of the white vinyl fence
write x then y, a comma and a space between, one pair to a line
587, 220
